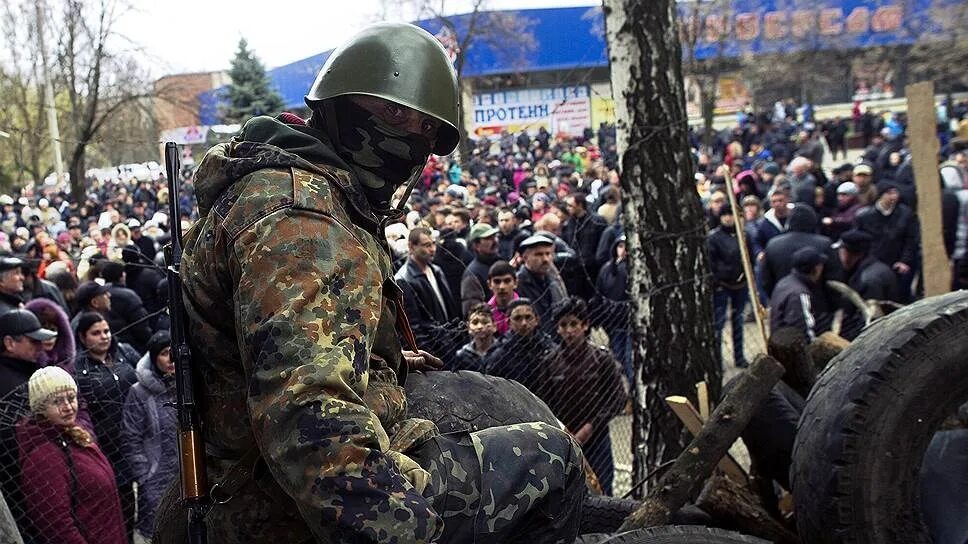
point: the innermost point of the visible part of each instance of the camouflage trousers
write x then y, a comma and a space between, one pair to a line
519, 483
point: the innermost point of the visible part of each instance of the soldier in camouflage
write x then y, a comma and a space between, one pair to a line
294, 321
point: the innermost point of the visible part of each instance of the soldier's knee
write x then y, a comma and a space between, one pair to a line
551, 445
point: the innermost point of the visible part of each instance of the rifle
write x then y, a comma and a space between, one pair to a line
191, 458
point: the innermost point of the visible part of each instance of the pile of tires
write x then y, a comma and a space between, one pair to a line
869, 420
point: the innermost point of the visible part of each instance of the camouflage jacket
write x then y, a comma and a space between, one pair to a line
285, 283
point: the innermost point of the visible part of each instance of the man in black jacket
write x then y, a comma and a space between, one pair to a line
524, 354
582, 232
802, 232
427, 298
473, 285
897, 236
731, 294
872, 279
799, 300
20, 344
126, 315
507, 222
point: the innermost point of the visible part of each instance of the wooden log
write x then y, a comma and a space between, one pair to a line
736, 507
789, 347
693, 422
684, 479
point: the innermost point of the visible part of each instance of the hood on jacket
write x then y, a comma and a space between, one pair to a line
802, 219
613, 251
147, 376
266, 142
64, 349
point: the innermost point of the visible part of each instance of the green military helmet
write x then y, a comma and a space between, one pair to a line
401, 63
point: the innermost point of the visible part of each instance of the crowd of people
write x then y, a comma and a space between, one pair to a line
513, 265
806, 226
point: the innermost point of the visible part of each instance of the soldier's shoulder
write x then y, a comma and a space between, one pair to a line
269, 190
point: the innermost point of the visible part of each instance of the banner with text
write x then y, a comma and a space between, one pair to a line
560, 110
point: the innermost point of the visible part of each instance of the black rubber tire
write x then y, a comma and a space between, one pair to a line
602, 514
868, 422
673, 534
471, 401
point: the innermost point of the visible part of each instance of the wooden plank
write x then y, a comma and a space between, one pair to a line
697, 462
922, 133
687, 413
702, 393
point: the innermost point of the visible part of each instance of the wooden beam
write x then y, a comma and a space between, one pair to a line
693, 422
694, 465
922, 132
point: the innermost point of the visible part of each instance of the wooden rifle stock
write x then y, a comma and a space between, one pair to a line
191, 458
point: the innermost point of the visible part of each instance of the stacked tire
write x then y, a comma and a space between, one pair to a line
868, 422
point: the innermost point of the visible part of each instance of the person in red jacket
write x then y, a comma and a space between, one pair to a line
68, 484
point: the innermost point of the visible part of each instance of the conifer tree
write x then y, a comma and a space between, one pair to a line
250, 92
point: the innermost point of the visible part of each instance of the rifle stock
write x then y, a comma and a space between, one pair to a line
191, 459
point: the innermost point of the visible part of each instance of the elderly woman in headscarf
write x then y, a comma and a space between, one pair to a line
68, 484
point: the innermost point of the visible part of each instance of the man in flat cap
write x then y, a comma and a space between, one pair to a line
11, 284
539, 280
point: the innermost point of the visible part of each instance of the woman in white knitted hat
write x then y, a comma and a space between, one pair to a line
69, 487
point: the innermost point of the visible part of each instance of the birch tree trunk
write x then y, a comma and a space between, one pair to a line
669, 279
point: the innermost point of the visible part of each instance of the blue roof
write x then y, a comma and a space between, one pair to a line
573, 38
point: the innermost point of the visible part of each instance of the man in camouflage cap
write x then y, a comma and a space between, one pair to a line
294, 321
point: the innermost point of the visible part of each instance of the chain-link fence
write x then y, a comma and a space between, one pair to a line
88, 466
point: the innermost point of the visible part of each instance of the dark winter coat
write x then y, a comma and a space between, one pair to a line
467, 358
610, 306
105, 389
505, 243
544, 292
129, 318
725, 257
583, 234
525, 360
799, 303
14, 374
778, 261
44, 289
9, 302
473, 285
896, 236
422, 306
584, 385
873, 280
70, 491
452, 257
149, 431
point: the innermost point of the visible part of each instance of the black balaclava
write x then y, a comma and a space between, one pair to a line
383, 157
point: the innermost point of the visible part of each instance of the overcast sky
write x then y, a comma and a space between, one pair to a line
201, 35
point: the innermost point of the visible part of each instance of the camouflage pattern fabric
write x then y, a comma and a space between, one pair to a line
519, 483
296, 353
